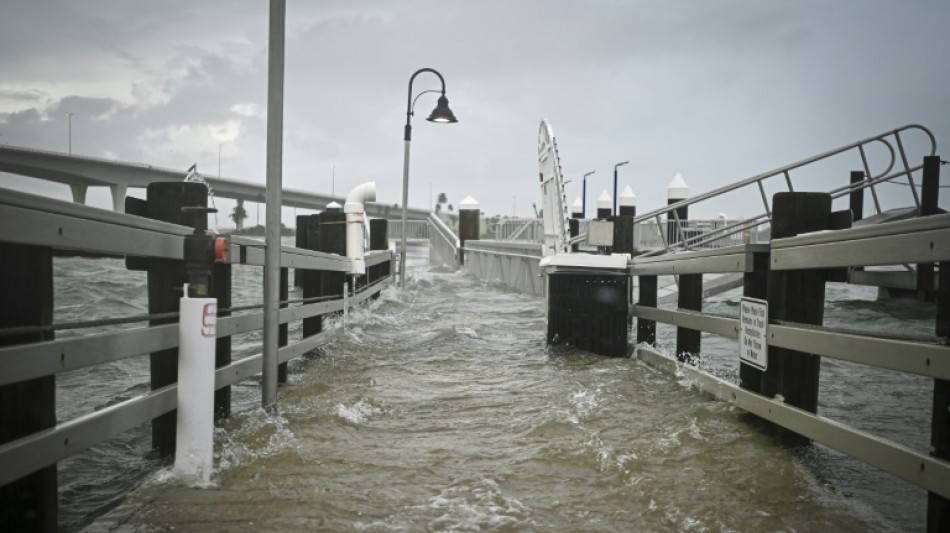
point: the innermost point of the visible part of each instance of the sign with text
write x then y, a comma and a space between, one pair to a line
753, 321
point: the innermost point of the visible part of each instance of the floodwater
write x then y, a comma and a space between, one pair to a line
441, 408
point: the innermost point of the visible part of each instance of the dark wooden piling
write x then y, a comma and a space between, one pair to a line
856, 198
378, 240
796, 296
754, 285
589, 310
283, 330
332, 241
938, 507
300, 241
468, 229
647, 297
311, 278
574, 228
26, 282
221, 289
929, 195
690, 297
166, 277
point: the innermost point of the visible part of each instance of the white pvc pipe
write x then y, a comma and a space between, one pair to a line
355, 216
197, 330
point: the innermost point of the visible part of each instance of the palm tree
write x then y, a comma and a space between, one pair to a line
238, 215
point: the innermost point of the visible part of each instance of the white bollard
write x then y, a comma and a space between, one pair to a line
197, 330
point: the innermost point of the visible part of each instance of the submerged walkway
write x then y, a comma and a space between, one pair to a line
444, 410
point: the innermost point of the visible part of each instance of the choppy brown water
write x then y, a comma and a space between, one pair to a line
442, 409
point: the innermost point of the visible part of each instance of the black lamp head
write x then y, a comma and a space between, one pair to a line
442, 113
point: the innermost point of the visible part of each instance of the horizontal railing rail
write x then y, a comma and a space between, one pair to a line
919, 240
890, 139
40, 222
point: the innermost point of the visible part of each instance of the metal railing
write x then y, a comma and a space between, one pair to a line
443, 244
519, 229
889, 139
919, 240
51, 224
416, 230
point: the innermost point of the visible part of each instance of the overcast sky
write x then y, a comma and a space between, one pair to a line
715, 90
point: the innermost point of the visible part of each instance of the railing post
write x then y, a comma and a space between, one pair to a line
856, 197
929, 194
166, 277
300, 241
221, 289
311, 278
754, 285
796, 296
938, 507
646, 329
283, 329
378, 240
690, 297
469, 211
332, 241
26, 282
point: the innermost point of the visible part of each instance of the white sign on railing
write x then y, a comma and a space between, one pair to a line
753, 321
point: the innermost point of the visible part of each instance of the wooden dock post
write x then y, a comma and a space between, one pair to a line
796, 296
332, 241
300, 241
311, 278
221, 289
929, 194
856, 198
166, 277
283, 335
938, 507
378, 240
26, 282
469, 216
623, 223
677, 191
754, 285
646, 329
690, 297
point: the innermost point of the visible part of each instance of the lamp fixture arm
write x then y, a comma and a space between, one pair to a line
409, 100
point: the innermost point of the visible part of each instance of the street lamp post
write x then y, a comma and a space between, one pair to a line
584, 195
69, 117
442, 114
614, 211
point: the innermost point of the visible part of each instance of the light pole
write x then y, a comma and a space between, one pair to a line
584, 195
69, 117
441, 113
614, 210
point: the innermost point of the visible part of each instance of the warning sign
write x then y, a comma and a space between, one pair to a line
753, 322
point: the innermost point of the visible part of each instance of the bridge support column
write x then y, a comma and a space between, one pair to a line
119, 191
79, 192
26, 282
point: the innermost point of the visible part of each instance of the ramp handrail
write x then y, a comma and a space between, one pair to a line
870, 181
444, 241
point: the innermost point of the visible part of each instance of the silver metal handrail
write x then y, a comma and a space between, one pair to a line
784, 171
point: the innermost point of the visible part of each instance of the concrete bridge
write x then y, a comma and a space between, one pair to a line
80, 173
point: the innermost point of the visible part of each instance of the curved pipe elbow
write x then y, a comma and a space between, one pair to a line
362, 193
